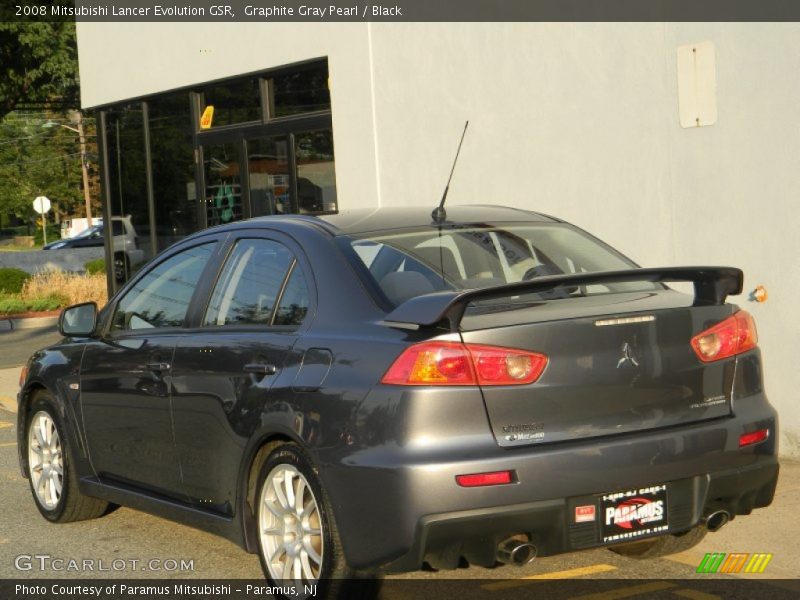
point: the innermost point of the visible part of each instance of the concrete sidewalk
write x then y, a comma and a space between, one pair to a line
9, 385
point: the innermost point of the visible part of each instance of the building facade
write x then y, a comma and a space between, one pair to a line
579, 120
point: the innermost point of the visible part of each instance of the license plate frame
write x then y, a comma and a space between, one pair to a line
634, 514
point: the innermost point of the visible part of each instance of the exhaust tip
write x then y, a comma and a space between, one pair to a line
717, 520
514, 552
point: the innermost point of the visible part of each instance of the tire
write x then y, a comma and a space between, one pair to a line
121, 267
314, 550
662, 546
51, 472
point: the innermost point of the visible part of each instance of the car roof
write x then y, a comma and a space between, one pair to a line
364, 220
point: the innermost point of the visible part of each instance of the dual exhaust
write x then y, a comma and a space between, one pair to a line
514, 551
717, 520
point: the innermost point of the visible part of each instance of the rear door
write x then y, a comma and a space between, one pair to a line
230, 369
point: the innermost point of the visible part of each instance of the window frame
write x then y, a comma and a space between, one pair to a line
300, 261
110, 311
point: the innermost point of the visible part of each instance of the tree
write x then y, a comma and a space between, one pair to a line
38, 85
39, 160
39, 65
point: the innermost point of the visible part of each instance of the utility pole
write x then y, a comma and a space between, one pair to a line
86, 196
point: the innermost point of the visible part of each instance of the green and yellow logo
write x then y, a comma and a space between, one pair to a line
736, 562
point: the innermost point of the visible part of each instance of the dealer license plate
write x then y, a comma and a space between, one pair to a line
633, 514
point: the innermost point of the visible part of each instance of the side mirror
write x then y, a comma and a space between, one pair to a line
79, 320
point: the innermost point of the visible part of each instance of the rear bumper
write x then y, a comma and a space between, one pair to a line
475, 534
399, 505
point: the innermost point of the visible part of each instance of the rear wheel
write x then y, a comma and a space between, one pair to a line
298, 540
661, 546
121, 267
51, 474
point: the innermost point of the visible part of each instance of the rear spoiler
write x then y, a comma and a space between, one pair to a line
712, 285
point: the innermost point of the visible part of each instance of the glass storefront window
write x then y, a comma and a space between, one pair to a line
127, 195
223, 184
316, 176
268, 167
237, 102
250, 166
172, 155
300, 92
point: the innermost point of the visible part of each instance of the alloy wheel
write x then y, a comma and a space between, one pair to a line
290, 526
45, 460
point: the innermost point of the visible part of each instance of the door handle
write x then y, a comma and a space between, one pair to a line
158, 366
260, 369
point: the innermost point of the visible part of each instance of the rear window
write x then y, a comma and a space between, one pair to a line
404, 264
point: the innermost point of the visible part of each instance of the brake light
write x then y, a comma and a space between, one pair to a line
734, 335
754, 437
483, 479
454, 363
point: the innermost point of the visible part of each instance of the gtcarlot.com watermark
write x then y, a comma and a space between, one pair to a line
44, 563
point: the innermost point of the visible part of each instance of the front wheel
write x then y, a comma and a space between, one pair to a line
52, 476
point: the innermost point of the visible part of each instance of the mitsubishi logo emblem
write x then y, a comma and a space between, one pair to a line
627, 356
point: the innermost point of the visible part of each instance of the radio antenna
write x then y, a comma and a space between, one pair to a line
439, 214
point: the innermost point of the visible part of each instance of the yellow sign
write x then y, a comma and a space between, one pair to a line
207, 118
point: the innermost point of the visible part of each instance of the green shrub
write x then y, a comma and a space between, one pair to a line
95, 266
51, 302
12, 304
12, 280
53, 234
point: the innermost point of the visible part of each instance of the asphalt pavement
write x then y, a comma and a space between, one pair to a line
17, 345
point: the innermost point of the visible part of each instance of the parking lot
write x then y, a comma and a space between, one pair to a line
130, 544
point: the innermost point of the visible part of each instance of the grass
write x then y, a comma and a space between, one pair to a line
72, 288
13, 248
11, 304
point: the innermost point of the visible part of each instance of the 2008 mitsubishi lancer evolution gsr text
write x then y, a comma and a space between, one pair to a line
371, 391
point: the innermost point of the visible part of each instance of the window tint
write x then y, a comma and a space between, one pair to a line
117, 228
301, 92
407, 264
161, 298
294, 302
234, 102
250, 283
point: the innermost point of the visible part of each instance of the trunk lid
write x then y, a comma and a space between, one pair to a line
618, 363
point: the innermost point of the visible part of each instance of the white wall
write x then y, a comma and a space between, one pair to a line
577, 120
581, 121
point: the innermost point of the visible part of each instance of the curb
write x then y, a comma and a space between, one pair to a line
29, 323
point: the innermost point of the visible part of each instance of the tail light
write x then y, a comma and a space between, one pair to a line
734, 335
454, 363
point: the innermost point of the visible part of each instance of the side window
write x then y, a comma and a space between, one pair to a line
116, 228
294, 301
161, 298
250, 284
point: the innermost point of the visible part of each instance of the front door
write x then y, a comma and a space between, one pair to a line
126, 377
